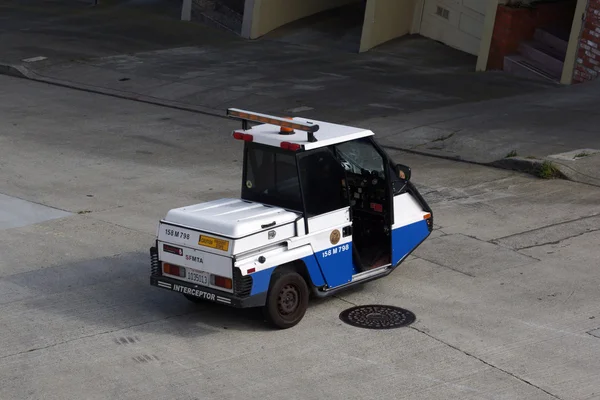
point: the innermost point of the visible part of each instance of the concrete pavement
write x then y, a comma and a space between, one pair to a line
131, 52
535, 133
419, 95
505, 291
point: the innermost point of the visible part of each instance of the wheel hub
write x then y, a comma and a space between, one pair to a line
288, 299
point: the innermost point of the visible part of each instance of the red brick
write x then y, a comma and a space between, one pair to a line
587, 35
588, 54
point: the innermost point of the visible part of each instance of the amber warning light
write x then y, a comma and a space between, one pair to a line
246, 116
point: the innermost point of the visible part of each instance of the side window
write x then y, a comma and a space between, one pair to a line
321, 176
361, 157
398, 184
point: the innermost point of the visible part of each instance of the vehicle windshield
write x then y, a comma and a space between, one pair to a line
271, 177
360, 157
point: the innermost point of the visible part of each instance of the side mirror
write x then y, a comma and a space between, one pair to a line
403, 172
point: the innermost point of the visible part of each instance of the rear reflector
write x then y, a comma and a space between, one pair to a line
171, 269
221, 281
243, 136
290, 146
172, 249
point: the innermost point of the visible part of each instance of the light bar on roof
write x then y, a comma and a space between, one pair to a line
269, 119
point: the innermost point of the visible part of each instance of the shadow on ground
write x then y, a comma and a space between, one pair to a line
114, 293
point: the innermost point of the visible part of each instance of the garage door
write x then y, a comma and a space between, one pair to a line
457, 23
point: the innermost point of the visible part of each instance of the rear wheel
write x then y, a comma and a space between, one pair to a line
287, 300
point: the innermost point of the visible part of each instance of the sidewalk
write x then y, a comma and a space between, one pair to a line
553, 133
134, 53
416, 94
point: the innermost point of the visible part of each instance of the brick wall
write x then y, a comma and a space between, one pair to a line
587, 64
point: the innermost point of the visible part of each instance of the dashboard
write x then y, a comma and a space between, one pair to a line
367, 191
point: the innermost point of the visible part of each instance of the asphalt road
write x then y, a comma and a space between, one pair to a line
505, 291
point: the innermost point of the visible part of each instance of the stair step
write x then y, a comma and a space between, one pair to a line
559, 32
219, 16
546, 57
554, 40
527, 68
549, 50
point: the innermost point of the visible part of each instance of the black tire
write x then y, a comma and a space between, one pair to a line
193, 299
287, 300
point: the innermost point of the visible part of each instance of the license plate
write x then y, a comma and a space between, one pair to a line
202, 278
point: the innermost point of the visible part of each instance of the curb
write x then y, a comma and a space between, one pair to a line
534, 167
574, 175
20, 71
544, 169
539, 167
13, 70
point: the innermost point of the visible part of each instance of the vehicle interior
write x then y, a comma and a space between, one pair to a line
367, 189
350, 173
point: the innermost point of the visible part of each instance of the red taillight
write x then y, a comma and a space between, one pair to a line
243, 136
173, 249
290, 146
222, 282
173, 269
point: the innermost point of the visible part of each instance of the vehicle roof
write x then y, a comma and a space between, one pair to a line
328, 134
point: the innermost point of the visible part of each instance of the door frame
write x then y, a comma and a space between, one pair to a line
303, 194
418, 17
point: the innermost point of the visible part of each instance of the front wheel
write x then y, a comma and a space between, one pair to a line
287, 300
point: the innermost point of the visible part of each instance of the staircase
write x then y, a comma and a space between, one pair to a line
221, 14
541, 58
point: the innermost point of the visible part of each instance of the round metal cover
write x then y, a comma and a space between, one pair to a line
377, 317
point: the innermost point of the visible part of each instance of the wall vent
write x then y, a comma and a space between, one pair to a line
442, 12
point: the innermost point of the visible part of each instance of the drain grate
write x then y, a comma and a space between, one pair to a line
377, 317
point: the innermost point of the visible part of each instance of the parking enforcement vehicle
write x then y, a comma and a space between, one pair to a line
322, 208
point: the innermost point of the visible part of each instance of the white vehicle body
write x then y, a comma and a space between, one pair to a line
359, 224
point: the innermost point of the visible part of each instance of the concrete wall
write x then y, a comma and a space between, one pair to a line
486, 37
386, 20
262, 16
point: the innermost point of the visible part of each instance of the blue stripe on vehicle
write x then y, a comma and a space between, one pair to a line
261, 280
336, 264
314, 271
407, 238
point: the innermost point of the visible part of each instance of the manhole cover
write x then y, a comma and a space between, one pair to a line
377, 317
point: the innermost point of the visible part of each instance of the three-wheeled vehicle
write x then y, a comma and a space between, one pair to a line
322, 208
